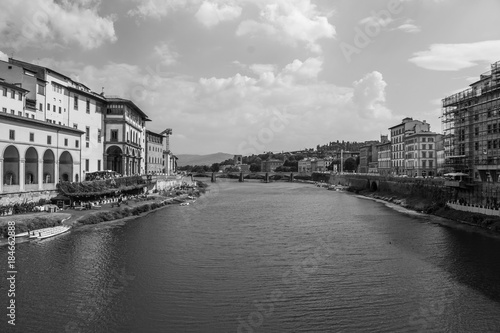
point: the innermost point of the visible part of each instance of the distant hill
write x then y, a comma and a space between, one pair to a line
187, 159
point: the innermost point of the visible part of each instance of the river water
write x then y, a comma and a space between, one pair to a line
255, 257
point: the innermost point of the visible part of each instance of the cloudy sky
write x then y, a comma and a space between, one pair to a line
247, 76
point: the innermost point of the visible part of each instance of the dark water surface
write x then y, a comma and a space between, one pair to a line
254, 257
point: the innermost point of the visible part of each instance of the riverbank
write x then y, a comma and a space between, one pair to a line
428, 206
131, 208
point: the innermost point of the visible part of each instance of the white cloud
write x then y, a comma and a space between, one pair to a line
211, 14
290, 22
166, 54
4, 56
369, 96
409, 26
157, 8
454, 57
242, 107
46, 24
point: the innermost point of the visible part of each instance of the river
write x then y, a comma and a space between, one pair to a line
256, 257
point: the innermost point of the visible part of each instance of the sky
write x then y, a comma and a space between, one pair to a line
251, 76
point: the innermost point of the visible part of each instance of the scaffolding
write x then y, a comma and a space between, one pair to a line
471, 126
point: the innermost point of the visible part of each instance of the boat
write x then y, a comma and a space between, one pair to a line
185, 204
338, 188
22, 234
54, 232
48, 232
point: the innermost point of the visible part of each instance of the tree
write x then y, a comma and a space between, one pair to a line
254, 167
215, 167
350, 164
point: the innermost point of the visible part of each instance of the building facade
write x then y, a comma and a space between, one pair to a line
36, 155
398, 134
270, 165
471, 128
155, 162
124, 142
420, 154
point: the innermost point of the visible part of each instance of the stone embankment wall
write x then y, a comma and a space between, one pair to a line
473, 208
18, 198
162, 184
429, 188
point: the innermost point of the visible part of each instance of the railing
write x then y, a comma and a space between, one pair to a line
459, 97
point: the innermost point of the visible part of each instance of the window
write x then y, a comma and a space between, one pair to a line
87, 144
12, 111
13, 94
4, 110
494, 143
32, 137
489, 129
20, 96
75, 102
430, 164
40, 107
424, 154
87, 133
476, 146
495, 128
98, 165
5, 92
423, 139
77, 143
424, 146
48, 106
431, 155
114, 135
75, 125
88, 106
41, 89
430, 147
424, 164
489, 144
476, 131
12, 135
99, 135
59, 109
54, 108
65, 142
20, 113
87, 162
49, 140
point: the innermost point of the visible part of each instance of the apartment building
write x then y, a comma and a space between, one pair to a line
471, 128
367, 154
155, 161
420, 154
384, 153
398, 134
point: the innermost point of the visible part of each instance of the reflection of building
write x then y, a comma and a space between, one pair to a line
36, 154
270, 165
125, 134
472, 129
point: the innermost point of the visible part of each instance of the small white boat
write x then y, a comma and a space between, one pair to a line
54, 232
48, 232
185, 204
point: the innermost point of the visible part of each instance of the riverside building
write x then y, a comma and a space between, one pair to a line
125, 136
471, 128
398, 134
62, 101
53, 128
